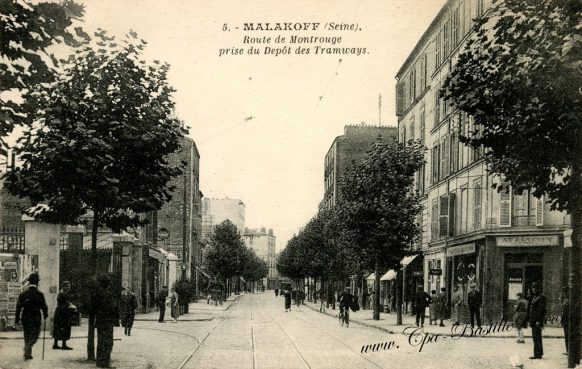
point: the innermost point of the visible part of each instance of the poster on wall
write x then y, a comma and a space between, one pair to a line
10, 286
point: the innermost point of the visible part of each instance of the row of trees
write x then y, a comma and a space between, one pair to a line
373, 224
98, 122
228, 257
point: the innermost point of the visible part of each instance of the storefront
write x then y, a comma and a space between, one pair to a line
513, 263
463, 269
434, 270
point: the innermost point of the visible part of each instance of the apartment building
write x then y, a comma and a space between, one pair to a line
501, 242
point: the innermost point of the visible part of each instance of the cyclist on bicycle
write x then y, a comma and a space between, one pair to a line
346, 300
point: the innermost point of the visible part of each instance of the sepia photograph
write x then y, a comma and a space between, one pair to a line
308, 184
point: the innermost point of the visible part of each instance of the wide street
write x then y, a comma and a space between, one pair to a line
256, 332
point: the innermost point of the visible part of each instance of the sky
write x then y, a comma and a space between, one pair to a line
263, 123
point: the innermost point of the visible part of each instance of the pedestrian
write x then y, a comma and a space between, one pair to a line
276, 292
520, 317
456, 300
475, 300
346, 301
565, 317
62, 319
422, 300
287, 300
537, 316
30, 305
161, 301
128, 307
106, 316
322, 300
365, 300
432, 310
174, 305
441, 307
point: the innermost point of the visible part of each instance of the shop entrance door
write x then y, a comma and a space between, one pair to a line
518, 279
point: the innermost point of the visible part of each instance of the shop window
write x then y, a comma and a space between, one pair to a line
464, 272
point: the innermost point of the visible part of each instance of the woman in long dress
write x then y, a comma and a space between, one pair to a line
62, 319
174, 305
287, 300
128, 306
432, 307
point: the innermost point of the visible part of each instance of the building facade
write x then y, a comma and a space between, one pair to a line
177, 226
216, 211
501, 242
346, 149
263, 242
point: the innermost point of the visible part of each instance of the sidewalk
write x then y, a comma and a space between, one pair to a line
387, 323
197, 311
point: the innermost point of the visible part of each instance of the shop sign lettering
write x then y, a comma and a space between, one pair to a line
517, 241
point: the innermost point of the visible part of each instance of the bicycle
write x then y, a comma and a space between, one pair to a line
344, 316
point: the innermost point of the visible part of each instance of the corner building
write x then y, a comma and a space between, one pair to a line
471, 234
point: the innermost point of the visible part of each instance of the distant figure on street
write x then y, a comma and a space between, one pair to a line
365, 299
441, 306
106, 316
537, 316
322, 300
346, 301
174, 305
421, 301
287, 300
161, 300
520, 317
276, 292
456, 301
475, 300
565, 316
62, 318
30, 305
128, 307
432, 309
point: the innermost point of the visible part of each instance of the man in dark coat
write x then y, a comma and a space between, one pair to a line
62, 318
537, 316
162, 295
475, 300
106, 316
421, 301
31, 303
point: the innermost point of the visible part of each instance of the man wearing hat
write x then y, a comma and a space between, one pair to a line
537, 316
28, 311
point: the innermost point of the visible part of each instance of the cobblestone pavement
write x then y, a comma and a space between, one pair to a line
256, 332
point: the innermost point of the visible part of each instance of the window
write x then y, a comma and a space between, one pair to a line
437, 107
539, 211
462, 213
438, 50
420, 180
412, 85
422, 126
399, 98
435, 160
480, 8
411, 129
423, 74
454, 129
434, 221
445, 157
446, 40
477, 204
447, 215
468, 15
402, 133
457, 25
505, 208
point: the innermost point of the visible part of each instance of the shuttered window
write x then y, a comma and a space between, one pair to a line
443, 215
477, 204
434, 221
505, 208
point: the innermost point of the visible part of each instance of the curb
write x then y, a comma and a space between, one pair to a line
434, 334
179, 320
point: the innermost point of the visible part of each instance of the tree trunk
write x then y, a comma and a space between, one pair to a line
399, 298
91, 325
574, 346
376, 315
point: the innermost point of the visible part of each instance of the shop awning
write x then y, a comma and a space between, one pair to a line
371, 277
390, 275
408, 259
